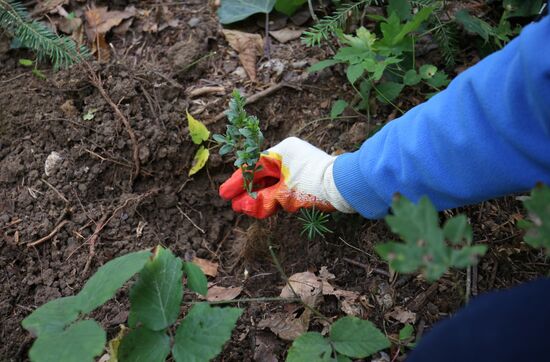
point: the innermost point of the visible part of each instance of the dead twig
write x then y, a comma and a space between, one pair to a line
56, 191
190, 220
367, 268
50, 235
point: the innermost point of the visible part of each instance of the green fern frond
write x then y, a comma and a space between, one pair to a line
324, 29
62, 51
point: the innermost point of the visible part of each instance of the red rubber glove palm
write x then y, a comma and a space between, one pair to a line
294, 175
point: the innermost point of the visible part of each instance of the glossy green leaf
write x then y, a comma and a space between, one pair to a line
538, 226
103, 285
156, 296
80, 342
388, 91
310, 346
144, 345
338, 108
231, 11
199, 160
357, 338
203, 332
289, 7
196, 280
52, 316
198, 131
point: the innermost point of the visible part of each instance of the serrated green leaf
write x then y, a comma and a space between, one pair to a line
289, 7
80, 342
338, 108
196, 280
538, 227
427, 71
354, 72
144, 345
411, 77
103, 285
474, 25
401, 257
357, 338
439, 79
231, 11
198, 131
199, 160
156, 296
26, 62
203, 332
52, 316
457, 229
388, 91
406, 332
467, 256
322, 65
310, 346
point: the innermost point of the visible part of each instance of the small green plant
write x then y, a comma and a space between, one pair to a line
65, 333
350, 337
16, 21
313, 223
35, 71
538, 225
244, 138
427, 247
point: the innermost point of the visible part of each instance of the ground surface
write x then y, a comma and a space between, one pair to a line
91, 191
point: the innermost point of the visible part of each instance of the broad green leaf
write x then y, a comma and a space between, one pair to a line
406, 332
231, 11
338, 108
427, 71
402, 8
466, 256
538, 227
439, 80
156, 296
26, 62
199, 160
354, 72
388, 91
521, 8
310, 346
203, 332
414, 24
357, 338
401, 257
103, 285
411, 77
289, 7
474, 25
144, 345
342, 358
80, 342
457, 229
322, 65
52, 316
196, 280
197, 130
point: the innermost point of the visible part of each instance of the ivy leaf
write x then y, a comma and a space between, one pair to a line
338, 108
80, 342
199, 160
156, 296
357, 338
538, 227
197, 130
411, 77
196, 280
203, 332
231, 11
289, 7
310, 346
143, 344
103, 285
388, 91
52, 316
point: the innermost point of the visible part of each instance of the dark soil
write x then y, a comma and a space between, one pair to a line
93, 184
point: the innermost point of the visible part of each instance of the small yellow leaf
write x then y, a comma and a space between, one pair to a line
114, 343
198, 131
200, 160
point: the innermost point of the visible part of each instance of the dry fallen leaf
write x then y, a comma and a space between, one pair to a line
306, 285
208, 267
216, 293
402, 315
287, 326
286, 34
249, 46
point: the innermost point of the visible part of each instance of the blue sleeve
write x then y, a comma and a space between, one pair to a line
486, 135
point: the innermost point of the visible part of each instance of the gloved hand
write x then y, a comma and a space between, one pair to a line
294, 175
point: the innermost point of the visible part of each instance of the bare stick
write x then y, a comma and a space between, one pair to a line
56, 191
191, 221
50, 235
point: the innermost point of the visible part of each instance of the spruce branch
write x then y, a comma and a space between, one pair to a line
62, 51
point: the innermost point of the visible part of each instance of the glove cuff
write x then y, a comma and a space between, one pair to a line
331, 193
